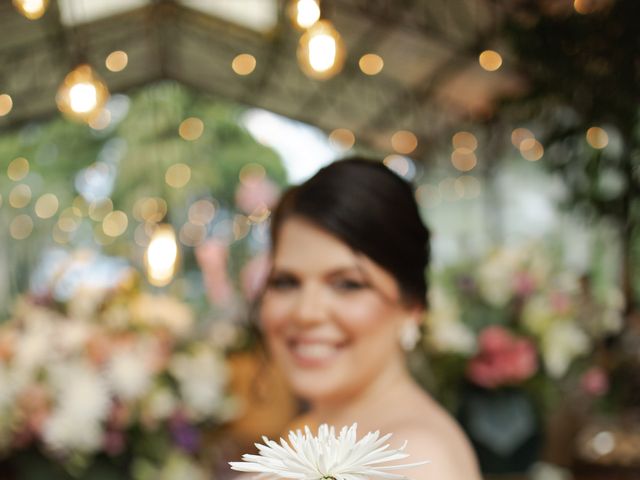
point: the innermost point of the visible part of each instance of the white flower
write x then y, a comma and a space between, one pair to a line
80, 391
64, 432
162, 311
446, 333
325, 457
202, 376
82, 404
563, 342
128, 372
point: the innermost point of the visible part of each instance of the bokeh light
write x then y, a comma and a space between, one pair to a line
305, 13
161, 256
403, 166
404, 142
464, 140
244, 64
101, 121
191, 128
178, 175
201, 212
467, 186
342, 139
117, 61
371, 64
67, 224
321, 53
31, 9
47, 205
192, 235
531, 149
21, 227
99, 209
150, 209
6, 104
20, 196
597, 137
115, 223
490, 60
83, 94
463, 159
251, 172
18, 169
519, 135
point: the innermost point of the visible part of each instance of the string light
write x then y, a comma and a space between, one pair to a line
161, 256
31, 9
82, 94
321, 52
304, 13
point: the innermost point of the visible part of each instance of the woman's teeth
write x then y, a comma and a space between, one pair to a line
316, 351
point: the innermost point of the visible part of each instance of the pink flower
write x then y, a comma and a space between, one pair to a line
212, 258
254, 275
524, 284
502, 359
595, 381
256, 193
494, 339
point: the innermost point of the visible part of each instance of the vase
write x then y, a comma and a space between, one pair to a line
504, 428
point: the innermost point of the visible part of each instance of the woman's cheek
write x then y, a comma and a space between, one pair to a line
273, 313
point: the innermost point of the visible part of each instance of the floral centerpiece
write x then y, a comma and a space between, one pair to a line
113, 380
509, 334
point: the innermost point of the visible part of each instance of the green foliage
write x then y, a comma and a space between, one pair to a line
139, 148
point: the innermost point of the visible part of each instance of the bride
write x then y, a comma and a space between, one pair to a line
343, 302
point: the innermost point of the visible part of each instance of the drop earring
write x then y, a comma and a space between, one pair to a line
409, 336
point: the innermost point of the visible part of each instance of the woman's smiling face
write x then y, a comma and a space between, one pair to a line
330, 315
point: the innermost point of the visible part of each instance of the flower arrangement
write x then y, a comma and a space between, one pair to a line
326, 456
514, 317
510, 334
112, 373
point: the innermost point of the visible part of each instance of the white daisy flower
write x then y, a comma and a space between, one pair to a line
325, 457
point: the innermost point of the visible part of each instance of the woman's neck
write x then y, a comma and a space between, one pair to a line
368, 404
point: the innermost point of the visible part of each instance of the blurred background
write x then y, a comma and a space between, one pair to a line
144, 142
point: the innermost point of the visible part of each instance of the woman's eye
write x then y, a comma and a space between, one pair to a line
282, 283
347, 285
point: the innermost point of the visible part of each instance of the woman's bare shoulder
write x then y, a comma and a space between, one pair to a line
433, 434
450, 457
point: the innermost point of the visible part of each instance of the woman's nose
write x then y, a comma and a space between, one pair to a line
310, 305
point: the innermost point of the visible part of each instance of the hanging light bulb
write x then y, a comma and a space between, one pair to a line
321, 53
304, 13
32, 9
82, 94
161, 256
